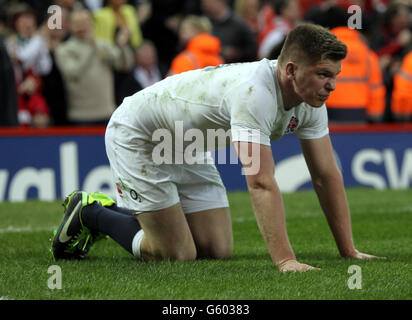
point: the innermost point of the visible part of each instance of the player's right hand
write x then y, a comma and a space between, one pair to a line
294, 266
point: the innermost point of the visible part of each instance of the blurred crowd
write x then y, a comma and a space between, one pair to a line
72, 62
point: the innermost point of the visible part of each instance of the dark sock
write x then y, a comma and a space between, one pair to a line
114, 207
120, 226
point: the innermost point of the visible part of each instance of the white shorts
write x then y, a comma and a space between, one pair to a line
144, 186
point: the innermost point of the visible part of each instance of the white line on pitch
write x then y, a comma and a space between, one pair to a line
12, 229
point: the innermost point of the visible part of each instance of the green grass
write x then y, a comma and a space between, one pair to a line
382, 225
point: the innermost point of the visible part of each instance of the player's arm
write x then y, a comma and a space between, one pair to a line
258, 165
328, 184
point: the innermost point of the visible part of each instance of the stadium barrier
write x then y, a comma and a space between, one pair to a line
47, 164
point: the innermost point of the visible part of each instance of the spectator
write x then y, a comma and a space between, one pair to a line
76, 4
157, 29
39, 7
306, 5
287, 16
266, 19
315, 11
31, 60
394, 34
392, 43
54, 91
360, 72
8, 93
248, 10
360, 75
276, 50
27, 45
114, 16
239, 43
401, 105
4, 25
93, 5
146, 72
144, 10
86, 66
201, 48
161, 23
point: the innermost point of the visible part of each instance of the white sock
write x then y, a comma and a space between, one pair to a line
137, 241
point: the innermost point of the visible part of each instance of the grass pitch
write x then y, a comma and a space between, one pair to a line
382, 225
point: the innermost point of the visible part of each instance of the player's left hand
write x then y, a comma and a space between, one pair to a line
362, 256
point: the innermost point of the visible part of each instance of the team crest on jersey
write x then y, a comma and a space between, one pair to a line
119, 190
122, 187
293, 124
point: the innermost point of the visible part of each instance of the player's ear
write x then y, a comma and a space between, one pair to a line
291, 70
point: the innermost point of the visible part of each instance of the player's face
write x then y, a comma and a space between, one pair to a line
314, 83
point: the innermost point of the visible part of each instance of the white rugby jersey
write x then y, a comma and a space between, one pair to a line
242, 97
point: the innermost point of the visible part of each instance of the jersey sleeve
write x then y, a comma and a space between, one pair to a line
253, 110
249, 135
316, 126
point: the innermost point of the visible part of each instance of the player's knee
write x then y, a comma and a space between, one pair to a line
171, 251
182, 252
217, 251
222, 251
186, 254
